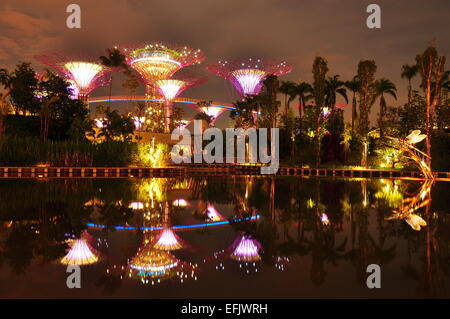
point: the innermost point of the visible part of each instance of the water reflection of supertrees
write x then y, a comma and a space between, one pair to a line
245, 251
80, 252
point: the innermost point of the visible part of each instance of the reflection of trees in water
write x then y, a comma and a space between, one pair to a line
299, 217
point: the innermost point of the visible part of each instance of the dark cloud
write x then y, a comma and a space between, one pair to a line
290, 30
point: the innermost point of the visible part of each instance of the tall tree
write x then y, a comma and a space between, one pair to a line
431, 67
366, 93
409, 72
320, 69
333, 87
384, 87
303, 91
268, 100
24, 85
353, 85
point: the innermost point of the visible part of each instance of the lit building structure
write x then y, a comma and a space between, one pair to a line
84, 73
247, 75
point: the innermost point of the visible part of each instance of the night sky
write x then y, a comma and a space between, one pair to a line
290, 30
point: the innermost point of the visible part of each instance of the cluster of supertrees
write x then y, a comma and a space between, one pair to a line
159, 66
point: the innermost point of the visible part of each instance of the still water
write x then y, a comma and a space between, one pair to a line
224, 237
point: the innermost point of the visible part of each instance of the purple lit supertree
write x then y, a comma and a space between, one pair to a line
247, 75
171, 88
83, 72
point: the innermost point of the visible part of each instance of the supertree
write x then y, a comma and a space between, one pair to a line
171, 88
83, 72
156, 62
247, 75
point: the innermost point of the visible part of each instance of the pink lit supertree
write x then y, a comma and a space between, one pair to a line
171, 88
247, 75
83, 72
159, 61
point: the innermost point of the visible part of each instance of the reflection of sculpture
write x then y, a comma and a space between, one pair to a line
406, 146
167, 239
80, 253
412, 204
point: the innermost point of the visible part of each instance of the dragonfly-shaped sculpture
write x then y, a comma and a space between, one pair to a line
406, 145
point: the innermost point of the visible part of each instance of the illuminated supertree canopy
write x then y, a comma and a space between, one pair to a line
159, 61
83, 72
171, 88
247, 75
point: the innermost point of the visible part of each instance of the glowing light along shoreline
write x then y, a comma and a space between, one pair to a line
193, 226
79, 254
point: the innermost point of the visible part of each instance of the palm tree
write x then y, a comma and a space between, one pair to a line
287, 88
353, 85
333, 87
304, 92
409, 72
384, 86
114, 59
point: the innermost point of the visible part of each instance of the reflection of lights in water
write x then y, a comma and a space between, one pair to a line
180, 202
80, 253
151, 266
247, 249
136, 205
281, 262
213, 214
415, 221
168, 240
324, 219
412, 204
